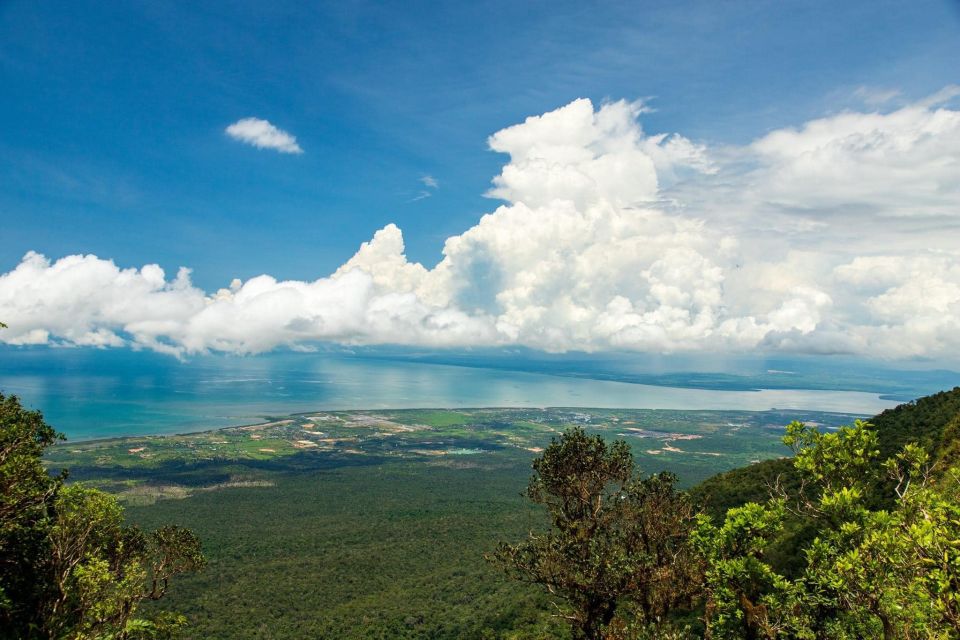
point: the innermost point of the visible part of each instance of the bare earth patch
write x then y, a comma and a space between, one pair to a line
265, 425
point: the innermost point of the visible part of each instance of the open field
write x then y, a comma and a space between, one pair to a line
693, 444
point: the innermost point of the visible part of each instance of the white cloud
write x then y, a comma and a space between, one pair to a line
875, 96
902, 163
431, 184
839, 235
263, 135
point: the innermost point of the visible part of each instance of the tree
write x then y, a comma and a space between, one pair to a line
746, 597
614, 539
891, 572
69, 565
27, 493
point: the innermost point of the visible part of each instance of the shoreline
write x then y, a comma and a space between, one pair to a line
695, 444
270, 420
91, 398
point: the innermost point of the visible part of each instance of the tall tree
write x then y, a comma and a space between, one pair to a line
614, 539
69, 565
27, 495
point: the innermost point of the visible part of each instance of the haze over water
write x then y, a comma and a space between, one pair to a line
95, 394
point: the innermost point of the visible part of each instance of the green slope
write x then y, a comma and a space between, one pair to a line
932, 421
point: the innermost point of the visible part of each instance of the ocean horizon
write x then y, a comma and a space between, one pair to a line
88, 394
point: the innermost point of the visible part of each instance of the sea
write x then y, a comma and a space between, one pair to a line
92, 393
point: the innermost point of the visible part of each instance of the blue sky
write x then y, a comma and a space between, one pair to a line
114, 141
115, 111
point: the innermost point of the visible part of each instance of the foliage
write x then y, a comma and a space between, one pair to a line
385, 541
613, 539
26, 498
388, 543
69, 565
869, 572
932, 422
391, 551
746, 597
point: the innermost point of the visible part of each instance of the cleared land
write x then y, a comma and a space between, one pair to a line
693, 444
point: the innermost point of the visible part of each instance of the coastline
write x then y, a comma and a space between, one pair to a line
693, 443
272, 419
90, 397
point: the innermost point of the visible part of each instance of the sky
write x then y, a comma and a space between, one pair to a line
649, 177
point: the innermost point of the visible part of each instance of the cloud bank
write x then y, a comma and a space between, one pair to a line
263, 135
841, 235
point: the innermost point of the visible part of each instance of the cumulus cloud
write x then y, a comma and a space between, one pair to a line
902, 163
263, 135
608, 238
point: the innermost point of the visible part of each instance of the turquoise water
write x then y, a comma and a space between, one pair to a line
94, 394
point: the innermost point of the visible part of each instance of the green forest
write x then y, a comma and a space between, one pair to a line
486, 524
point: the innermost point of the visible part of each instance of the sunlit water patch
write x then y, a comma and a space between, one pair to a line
93, 394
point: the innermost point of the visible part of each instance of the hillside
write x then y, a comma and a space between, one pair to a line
932, 421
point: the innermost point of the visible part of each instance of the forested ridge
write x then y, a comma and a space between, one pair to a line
933, 422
